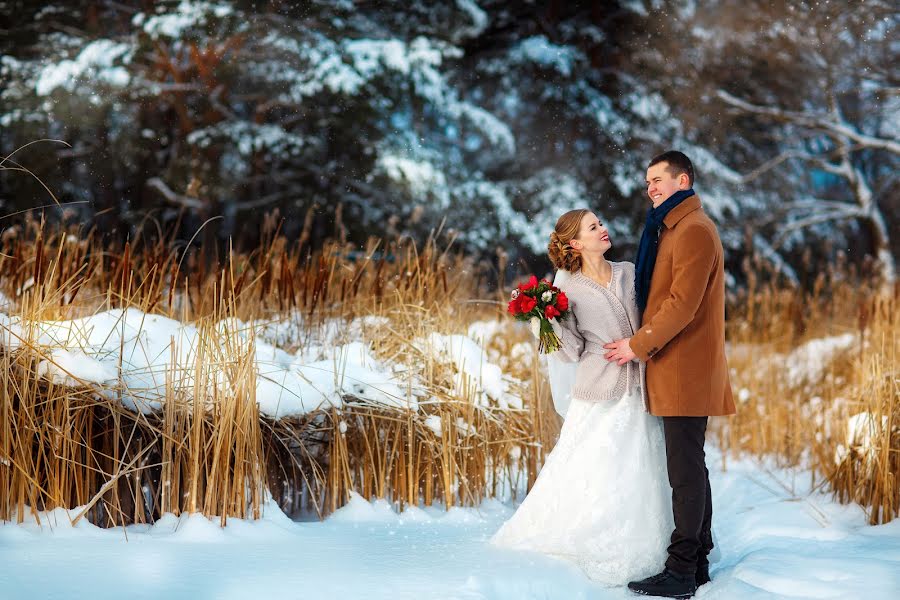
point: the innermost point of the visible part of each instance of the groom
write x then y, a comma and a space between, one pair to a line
680, 290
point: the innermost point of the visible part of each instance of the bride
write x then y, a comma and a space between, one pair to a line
602, 499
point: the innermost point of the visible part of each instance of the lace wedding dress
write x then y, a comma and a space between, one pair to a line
602, 499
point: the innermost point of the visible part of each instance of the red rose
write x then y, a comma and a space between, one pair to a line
526, 303
515, 305
550, 312
562, 301
532, 283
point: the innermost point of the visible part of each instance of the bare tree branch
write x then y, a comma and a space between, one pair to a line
837, 215
813, 121
172, 197
847, 139
767, 252
819, 160
807, 207
123, 7
817, 204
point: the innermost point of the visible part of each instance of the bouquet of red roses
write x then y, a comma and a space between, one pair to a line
538, 302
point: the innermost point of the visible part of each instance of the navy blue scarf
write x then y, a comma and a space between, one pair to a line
646, 256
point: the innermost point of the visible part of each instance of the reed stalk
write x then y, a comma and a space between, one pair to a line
207, 448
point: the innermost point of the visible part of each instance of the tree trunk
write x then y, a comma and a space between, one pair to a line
881, 247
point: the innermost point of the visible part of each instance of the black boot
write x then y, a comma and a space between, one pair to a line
668, 584
702, 575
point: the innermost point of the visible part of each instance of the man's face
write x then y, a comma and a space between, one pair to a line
661, 184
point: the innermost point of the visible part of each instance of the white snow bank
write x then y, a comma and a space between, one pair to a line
132, 355
472, 367
809, 361
779, 540
358, 510
863, 431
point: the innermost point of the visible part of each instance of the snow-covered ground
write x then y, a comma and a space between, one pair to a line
775, 543
776, 538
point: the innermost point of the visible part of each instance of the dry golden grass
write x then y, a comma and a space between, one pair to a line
82, 450
208, 449
834, 411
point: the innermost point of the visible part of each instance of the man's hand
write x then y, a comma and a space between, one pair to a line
619, 351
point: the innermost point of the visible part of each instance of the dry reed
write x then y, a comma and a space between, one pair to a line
816, 379
208, 448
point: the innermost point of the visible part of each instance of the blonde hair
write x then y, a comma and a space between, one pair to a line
562, 254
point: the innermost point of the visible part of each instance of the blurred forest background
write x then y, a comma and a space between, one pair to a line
481, 120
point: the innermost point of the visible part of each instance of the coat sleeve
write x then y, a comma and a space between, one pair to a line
692, 263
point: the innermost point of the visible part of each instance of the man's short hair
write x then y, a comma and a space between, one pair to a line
678, 163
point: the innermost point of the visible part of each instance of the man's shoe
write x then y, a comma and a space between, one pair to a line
702, 575
668, 584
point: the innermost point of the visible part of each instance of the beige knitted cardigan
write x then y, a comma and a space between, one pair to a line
600, 315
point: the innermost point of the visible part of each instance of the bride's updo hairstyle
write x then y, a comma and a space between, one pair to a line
562, 254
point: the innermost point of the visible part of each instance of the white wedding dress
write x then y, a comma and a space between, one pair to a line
602, 499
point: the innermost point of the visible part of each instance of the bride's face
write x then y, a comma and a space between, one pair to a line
593, 237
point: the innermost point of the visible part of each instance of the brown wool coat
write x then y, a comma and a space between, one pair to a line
682, 334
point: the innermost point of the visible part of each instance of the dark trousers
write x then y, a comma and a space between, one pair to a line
691, 497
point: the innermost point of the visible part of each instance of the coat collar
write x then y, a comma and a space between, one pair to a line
681, 211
